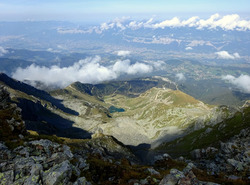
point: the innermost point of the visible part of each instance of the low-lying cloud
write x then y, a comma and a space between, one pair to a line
242, 82
3, 51
123, 53
89, 70
188, 48
226, 55
180, 77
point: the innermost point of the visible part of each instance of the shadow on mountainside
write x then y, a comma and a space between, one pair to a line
141, 152
20, 86
43, 121
209, 135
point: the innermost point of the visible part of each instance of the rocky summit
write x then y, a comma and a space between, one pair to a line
72, 136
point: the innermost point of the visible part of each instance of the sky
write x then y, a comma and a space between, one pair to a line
104, 10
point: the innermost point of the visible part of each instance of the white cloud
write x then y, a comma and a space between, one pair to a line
180, 77
139, 68
123, 53
242, 82
195, 43
226, 55
236, 55
175, 22
188, 48
73, 31
191, 22
3, 51
158, 65
89, 70
227, 22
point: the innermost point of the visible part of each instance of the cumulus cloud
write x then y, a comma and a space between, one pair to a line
158, 65
188, 48
3, 51
227, 22
175, 22
242, 82
226, 55
89, 70
123, 53
180, 77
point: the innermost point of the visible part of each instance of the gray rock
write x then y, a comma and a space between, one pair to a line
36, 169
5, 153
176, 173
81, 181
188, 168
196, 154
45, 145
82, 164
143, 181
75, 171
21, 180
33, 180
169, 180
152, 171
67, 151
237, 164
56, 158
7, 178
162, 157
23, 167
58, 174
23, 151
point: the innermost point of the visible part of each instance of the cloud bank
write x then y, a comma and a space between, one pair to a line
227, 22
226, 55
89, 70
242, 82
3, 51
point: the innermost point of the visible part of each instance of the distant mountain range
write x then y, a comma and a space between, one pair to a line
166, 42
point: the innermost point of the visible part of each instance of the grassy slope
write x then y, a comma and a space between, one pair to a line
199, 139
159, 105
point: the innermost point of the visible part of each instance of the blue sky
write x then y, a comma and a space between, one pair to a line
104, 10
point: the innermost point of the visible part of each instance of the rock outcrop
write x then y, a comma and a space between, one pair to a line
11, 124
232, 157
38, 162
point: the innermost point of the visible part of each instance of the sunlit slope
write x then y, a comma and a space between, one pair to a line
143, 110
148, 110
154, 114
210, 135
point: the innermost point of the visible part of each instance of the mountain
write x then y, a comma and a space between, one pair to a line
41, 111
128, 144
145, 110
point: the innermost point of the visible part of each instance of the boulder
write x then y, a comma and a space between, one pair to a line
58, 174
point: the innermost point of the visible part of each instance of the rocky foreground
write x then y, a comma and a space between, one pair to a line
29, 158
